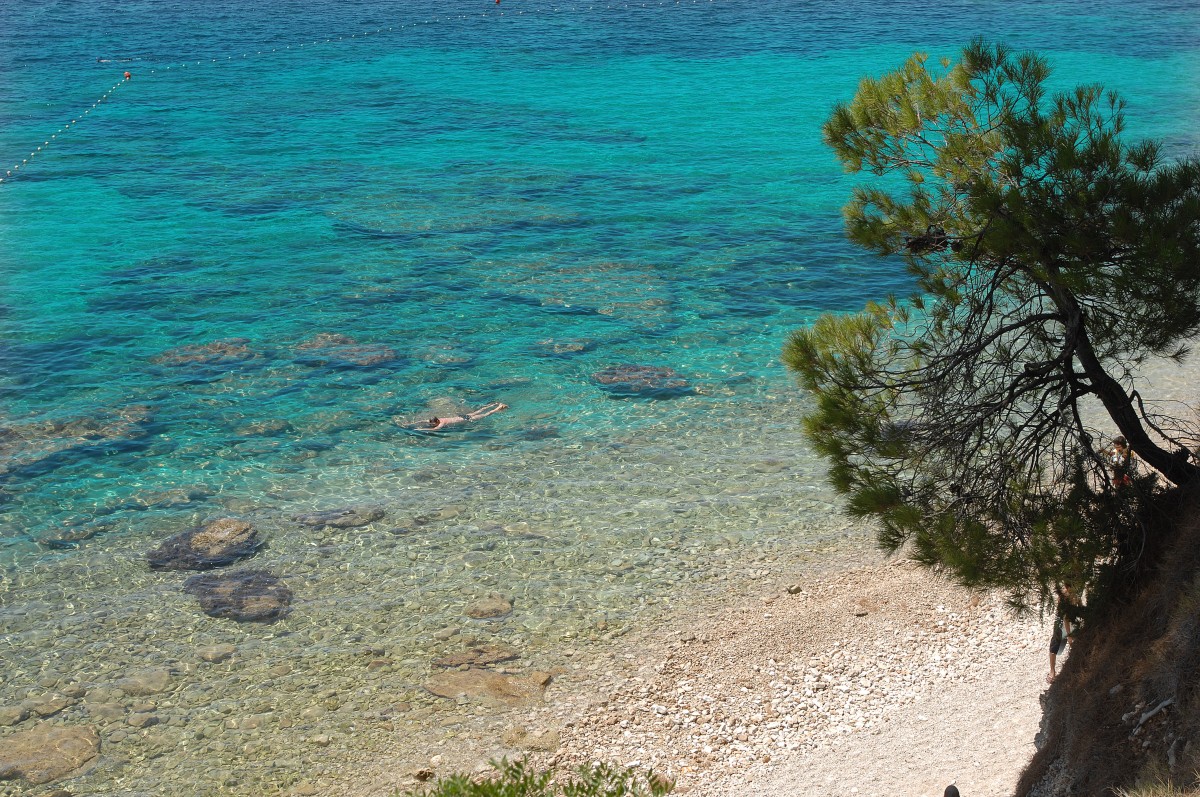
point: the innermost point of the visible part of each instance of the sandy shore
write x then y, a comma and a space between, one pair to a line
874, 677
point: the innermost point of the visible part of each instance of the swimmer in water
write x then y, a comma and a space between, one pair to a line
454, 420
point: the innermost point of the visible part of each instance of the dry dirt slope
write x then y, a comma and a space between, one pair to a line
1127, 706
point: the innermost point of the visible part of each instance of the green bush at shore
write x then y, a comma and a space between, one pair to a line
515, 779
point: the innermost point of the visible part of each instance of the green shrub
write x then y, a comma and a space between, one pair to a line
514, 779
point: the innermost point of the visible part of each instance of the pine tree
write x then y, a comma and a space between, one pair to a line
1051, 261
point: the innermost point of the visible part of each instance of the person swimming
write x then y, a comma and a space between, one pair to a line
437, 422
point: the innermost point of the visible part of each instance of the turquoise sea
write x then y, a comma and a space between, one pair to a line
297, 227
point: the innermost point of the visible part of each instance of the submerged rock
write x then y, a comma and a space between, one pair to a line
216, 653
219, 542
535, 433
248, 595
559, 347
489, 608
340, 351
345, 518
146, 682
47, 753
324, 340
49, 705
219, 352
47, 443
447, 355
478, 656
11, 715
64, 537
488, 686
270, 427
174, 497
642, 381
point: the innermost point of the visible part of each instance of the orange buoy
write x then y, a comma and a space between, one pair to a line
127, 75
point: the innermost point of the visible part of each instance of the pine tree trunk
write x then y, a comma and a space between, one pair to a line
1176, 468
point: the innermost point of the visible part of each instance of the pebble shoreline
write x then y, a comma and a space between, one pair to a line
882, 672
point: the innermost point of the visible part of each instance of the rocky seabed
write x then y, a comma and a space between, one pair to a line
389, 647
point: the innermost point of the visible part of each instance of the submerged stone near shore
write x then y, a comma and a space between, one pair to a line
269, 427
248, 595
642, 381
215, 654
490, 608
219, 542
477, 656
11, 715
560, 347
345, 518
65, 537
488, 686
146, 682
47, 753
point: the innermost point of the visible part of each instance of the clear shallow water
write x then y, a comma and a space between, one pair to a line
495, 203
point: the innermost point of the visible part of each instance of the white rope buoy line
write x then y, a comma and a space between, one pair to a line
12, 173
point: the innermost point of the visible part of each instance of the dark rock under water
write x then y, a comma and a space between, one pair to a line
642, 381
219, 542
340, 351
218, 352
244, 596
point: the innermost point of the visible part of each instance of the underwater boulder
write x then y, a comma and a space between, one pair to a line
244, 596
218, 352
477, 655
559, 347
341, 351
219, 542
642, 381
488, 686
48, 443
48, 753
270, 427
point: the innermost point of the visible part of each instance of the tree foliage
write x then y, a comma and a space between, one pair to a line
1051, 261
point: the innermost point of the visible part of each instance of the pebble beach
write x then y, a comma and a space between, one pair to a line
870, 677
